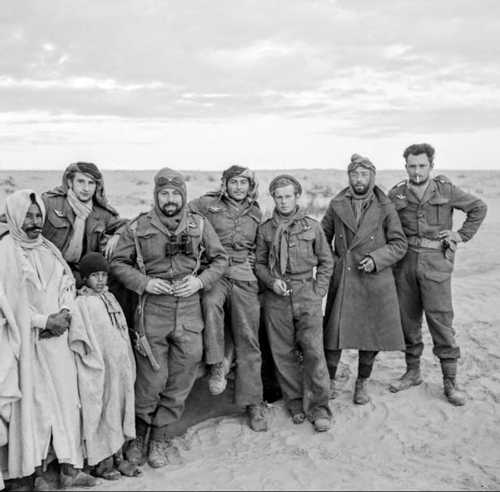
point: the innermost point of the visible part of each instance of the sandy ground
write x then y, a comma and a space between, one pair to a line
412, 440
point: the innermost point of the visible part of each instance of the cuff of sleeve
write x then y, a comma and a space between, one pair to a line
205, 280
39, 321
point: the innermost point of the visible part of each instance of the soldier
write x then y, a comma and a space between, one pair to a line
362, 310
235, 215
79, 217
158, 256
423, 278
289, 246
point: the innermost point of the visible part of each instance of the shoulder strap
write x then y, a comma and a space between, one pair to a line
201, 246
138, 252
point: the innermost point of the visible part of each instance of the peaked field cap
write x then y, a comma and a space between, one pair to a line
284, 180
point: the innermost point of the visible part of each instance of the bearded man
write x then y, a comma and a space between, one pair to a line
79, 218
362, 309
39, 293
158, 256
235, 216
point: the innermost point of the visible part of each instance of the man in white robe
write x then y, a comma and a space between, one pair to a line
40, 293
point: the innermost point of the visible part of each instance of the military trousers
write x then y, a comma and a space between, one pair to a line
173, 327
238, 299
296, 322
366, 358
423, 282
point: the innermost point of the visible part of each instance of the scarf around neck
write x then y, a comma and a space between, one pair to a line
73, 251
278, 255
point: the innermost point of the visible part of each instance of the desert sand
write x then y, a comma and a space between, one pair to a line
412, 440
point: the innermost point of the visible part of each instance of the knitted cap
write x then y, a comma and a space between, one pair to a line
169, 178
360, 161
91, 263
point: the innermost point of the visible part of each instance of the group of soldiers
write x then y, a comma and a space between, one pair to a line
201, 272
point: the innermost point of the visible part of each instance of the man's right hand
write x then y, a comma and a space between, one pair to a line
157, 286
57, 324
280, 288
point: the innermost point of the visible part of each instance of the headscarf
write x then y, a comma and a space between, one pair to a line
284, 180
169, 178
16, 207
243, 172
92, 170
360, 202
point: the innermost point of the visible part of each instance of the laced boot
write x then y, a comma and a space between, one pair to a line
332, 393
454, 395
157, 455
136, 452
361, 396
411, 377
217, 382
256, 418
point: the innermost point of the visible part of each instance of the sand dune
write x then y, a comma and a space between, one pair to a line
411, 440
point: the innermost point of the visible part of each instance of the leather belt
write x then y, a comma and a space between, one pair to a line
236, 261
422, 242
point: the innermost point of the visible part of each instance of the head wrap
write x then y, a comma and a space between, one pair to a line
16, 208
91, 263
284, 180
243, 172
360, 161
91, 170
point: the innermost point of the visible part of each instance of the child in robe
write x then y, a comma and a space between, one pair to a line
106, 372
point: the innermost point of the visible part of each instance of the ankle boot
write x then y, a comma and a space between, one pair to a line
158, 447
411, 377
361, 396
256, 418
453, 394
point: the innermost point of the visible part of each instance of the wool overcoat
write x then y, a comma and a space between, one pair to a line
362, 310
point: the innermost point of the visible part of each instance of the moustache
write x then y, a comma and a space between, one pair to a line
170, 204
33, 228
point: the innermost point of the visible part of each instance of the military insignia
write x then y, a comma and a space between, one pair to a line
401, 197
213, 208
59, 213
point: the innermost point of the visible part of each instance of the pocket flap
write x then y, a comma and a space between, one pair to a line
437, 276
58, 221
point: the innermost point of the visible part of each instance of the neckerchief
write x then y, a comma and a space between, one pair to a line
278, 255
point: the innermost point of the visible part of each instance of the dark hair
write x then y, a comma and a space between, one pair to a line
417, 149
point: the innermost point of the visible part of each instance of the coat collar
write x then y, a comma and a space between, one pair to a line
428, 194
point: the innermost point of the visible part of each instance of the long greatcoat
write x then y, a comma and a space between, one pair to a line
362, 310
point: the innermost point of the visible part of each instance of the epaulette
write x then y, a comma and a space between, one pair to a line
441, 178
133, 222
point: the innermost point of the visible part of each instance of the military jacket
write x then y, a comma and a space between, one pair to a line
236, 228
58, 226
159, 260
425, 218
307, 248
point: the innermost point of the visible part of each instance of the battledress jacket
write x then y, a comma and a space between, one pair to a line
362, 310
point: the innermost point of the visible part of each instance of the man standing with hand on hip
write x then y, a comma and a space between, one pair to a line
423, 277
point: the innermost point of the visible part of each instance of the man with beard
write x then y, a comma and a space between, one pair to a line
38, 303
79, 217
362, 309
423, 278
235, 216
158, 256
289, 246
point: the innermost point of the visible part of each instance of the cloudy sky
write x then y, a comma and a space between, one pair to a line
200, 84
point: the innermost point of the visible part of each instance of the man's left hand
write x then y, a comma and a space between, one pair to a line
187, 286
109, 244
367, 264
450, 236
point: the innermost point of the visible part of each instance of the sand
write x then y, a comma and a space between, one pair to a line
412, 440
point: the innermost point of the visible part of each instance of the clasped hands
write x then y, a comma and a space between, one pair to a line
186, 287
57, 324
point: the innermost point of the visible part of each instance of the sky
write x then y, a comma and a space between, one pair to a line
202, 84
